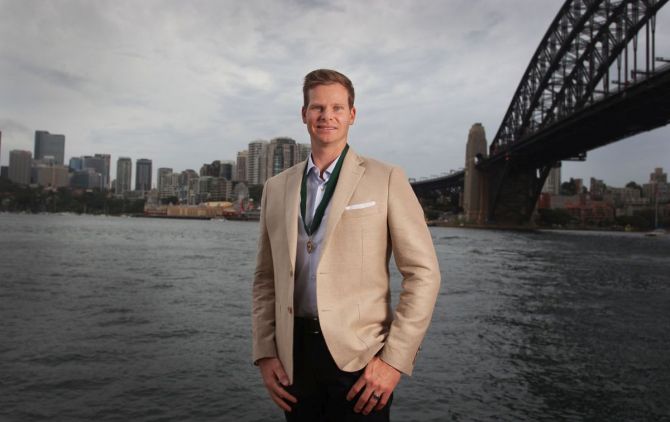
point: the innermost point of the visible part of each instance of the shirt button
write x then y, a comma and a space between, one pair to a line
290, 310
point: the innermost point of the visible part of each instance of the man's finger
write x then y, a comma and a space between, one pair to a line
382, 402
372, 402
281, 403
281, 392
365, 397
356, 388
281, 376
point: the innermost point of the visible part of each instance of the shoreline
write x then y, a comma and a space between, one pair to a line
532, 228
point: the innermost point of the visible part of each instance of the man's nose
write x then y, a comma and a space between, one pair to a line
326, 114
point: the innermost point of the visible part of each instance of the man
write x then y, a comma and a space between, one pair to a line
327, 342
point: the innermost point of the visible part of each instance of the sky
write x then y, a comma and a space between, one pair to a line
187, 82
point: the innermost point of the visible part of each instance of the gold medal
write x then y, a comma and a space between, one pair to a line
310, 246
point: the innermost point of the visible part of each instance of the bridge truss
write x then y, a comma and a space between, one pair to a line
590, 51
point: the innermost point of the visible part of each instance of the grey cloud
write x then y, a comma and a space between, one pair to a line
181, 82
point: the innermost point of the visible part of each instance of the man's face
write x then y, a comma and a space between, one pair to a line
328, 116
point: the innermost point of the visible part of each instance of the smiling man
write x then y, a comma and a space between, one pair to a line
328, 344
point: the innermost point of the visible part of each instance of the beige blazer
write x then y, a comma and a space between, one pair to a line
373, 212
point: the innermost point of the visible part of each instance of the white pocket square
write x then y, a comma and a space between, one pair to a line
360, 206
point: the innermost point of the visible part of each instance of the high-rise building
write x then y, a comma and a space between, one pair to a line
49, 175
143, 175
597, 188
76, 163
256, 159
87, 178
169, 183
658, 176
227, 169
20, 163
49, 145
107, 160
242, 166
124, 169
281, 154
303, 151
162, 171
212, 170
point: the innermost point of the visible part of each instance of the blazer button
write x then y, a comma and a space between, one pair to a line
290, 310
290, 273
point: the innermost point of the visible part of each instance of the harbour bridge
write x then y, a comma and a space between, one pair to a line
594, 79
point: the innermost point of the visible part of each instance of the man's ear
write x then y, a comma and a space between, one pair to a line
353, 116
303, 112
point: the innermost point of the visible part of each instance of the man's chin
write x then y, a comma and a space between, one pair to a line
326, 142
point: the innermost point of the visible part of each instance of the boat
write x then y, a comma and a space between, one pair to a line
656, 233
250, 215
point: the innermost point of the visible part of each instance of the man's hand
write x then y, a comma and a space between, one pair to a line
378, 378
275, 379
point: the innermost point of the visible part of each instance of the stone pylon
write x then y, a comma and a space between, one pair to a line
475, 192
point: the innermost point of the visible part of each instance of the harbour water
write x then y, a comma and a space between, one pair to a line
118, 319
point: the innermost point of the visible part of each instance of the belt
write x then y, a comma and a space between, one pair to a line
307, 325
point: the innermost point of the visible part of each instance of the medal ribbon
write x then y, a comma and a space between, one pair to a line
327, 195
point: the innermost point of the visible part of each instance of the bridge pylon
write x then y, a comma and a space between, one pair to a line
475, 192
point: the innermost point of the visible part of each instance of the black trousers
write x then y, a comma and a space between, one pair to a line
319, 385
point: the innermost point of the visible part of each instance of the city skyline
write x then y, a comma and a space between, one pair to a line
191, 84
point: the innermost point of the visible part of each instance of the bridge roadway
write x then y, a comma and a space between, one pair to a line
642, 106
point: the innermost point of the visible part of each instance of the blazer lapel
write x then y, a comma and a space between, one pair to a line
350, 175
292, 207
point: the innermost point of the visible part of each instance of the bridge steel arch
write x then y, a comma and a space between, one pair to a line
588, 84
572, 66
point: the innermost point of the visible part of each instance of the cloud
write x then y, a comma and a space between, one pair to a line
187, 82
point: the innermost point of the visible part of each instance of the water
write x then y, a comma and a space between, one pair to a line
108, 319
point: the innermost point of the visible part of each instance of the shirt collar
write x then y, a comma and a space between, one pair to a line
329, 170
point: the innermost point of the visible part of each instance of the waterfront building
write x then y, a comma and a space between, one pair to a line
211, 170
303, 151
193, 191
49, 145
76, 163
256, 159
143, 175
161, 173
227, 168
281, 154
169, 186
87, 178
124, 168
658, 189
4, 172
241, 174
597, 188
50, 175
20, 163
658, 176
97, 164
106, 159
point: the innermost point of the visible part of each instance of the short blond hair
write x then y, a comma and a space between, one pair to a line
327, 77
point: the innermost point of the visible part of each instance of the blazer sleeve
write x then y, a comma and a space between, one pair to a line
263, 292
415, 258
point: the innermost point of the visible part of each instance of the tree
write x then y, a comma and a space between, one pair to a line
569, 188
